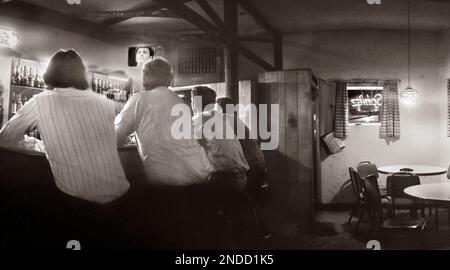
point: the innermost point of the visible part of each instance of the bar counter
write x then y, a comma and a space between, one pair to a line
31, 168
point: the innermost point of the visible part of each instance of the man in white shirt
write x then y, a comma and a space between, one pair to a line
222, 147
167, 161
173, 167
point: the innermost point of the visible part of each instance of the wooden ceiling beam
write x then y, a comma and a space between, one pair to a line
212, 14
115, 17
256, 14
38, 14
211, 30
256, 39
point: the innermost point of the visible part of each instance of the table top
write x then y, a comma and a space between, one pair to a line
436, 192
416, 169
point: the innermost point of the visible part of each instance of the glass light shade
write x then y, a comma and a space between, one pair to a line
8, 38
409, 94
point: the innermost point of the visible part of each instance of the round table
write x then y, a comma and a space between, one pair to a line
421, 170
433, 193
437, 194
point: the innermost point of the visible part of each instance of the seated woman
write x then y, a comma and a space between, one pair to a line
77, 129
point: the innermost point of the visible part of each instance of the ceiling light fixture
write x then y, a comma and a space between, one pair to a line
8, 38
409, 94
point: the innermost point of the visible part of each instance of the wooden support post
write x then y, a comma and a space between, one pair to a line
278, 53
231, 51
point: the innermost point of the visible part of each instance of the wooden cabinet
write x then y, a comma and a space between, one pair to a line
294, 167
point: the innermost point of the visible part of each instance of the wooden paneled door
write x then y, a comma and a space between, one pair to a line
294, 167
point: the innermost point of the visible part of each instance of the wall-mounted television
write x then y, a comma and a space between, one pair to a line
138, 55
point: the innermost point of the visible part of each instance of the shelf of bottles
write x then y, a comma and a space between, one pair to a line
112, 87
26, 81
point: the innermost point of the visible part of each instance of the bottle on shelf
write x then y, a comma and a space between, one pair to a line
15, 76
36, 82
30, 76
19, 101
41, 82
94, 84
13, 103
24, 79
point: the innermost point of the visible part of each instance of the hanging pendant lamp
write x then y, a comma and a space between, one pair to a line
409, 94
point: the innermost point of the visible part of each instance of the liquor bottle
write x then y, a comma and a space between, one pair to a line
13, 103
19, 101
23, 73
97, 86
36, 82
102, 87
17, 76
41, 83
30, 76
93, 84
13, 74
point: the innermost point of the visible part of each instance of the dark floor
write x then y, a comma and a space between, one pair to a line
331, 232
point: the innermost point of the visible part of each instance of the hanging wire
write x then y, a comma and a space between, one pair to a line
409, 45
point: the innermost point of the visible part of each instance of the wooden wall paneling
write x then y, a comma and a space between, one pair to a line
275, 163
281, 88
291, 124
317, 154
305, 127
305, 146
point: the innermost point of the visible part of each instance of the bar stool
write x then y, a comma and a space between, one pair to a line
257, 189
228, 203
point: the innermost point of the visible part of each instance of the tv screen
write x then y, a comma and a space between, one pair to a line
139, 55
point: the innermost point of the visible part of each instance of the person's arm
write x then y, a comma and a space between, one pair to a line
13, 132
127, 120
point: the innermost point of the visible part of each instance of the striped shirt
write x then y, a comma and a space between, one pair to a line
77, 128
167, 161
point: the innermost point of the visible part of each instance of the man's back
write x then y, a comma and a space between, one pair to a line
223, 149
168, 161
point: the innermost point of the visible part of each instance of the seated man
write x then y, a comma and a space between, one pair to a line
224, 151
257, 184
173, 167
167, 161
250, 146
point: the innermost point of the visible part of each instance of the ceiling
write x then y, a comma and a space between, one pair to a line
286, 16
